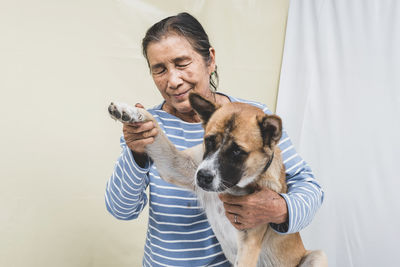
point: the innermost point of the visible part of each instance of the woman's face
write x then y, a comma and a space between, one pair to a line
177, 69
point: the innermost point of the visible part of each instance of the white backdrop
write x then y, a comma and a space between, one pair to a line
339, 97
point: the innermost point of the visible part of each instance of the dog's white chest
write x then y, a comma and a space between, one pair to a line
222, 227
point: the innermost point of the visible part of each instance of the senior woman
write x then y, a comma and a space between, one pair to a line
181, 60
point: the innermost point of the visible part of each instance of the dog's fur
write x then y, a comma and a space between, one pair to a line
239, 154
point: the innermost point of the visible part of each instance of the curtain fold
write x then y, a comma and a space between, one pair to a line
339, 98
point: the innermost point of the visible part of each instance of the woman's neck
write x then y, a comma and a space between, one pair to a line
191, 116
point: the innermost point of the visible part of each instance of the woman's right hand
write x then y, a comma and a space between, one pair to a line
139, 134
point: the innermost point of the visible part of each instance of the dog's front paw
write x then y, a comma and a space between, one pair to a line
125, 113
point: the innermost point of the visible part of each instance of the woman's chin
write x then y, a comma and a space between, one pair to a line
187, 111
183, 107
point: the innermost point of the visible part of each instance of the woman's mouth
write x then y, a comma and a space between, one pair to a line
181, 96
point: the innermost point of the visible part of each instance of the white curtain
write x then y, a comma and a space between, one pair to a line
339, 97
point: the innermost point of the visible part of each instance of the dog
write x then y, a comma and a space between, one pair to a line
239, 154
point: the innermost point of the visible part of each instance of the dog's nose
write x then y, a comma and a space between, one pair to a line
204, 179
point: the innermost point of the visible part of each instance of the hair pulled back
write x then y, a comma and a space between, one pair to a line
189, 27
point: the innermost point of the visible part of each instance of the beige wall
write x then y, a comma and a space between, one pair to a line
61, 63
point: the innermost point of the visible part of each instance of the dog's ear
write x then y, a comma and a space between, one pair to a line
271, 129
202, 106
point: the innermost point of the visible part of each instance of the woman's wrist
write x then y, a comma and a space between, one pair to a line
140, 158
281, 215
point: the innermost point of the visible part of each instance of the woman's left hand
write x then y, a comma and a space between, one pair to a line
261, 207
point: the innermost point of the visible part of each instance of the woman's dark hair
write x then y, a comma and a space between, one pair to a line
187, 26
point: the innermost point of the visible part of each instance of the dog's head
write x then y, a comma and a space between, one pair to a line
239, 142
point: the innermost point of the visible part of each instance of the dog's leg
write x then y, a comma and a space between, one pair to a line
174, 166
249, 246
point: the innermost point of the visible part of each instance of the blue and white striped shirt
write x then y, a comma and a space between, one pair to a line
178, 231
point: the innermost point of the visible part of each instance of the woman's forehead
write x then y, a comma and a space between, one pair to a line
170, 47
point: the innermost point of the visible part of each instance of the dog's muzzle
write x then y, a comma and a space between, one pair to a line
205, 179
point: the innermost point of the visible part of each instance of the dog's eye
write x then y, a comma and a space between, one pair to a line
209, 141
237, 150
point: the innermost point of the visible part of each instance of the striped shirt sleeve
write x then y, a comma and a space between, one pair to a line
304, 195
125, 194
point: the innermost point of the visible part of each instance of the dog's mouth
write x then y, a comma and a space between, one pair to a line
209, 182
213, 190
220, 189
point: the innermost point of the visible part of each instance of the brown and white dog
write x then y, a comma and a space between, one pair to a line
239, 154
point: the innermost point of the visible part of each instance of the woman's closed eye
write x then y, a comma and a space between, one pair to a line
157, 71
182, 65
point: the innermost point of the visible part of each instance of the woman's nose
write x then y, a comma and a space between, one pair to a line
174, 79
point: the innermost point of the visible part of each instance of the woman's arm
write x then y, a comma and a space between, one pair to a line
126, 189
304, 194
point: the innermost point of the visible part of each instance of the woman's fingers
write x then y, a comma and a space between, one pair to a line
138, 135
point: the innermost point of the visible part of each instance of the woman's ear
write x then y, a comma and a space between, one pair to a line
202, 106
211, 63
271, 129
